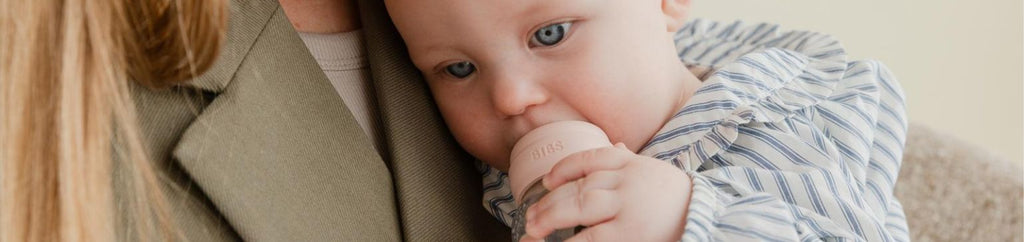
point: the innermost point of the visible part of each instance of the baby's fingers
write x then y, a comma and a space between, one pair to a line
590, 207
600, 232
582, 163
527, 238
608, 180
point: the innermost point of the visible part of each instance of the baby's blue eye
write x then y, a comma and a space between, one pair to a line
460, 69
550, 35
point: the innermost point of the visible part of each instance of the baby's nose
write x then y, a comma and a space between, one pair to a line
513, 97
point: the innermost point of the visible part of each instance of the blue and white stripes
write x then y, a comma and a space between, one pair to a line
785, 141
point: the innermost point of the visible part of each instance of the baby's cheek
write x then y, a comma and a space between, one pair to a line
497, 159
635, 126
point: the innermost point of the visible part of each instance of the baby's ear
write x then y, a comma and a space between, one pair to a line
676, 12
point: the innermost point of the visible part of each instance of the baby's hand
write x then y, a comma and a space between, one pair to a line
618, 195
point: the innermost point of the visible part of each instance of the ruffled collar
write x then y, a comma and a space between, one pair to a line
759, 74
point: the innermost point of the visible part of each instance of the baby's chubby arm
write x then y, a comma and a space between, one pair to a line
622, 196
617, 194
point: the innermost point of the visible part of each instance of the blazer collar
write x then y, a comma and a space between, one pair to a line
248, 18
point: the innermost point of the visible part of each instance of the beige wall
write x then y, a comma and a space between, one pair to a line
960, 62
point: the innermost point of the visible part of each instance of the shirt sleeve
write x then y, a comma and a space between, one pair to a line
825, 173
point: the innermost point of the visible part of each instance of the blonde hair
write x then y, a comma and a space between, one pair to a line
68, 115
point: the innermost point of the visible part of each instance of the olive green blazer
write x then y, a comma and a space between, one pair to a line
262, 148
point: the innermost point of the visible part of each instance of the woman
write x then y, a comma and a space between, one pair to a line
65, 77
259, 147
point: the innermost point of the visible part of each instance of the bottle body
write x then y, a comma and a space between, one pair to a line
535, 154
533, 194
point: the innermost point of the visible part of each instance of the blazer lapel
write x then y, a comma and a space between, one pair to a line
246, 20
276, 150
439, 190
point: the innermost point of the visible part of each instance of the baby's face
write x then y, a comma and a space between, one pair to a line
500, 68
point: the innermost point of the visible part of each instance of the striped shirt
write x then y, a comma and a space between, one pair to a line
785, 140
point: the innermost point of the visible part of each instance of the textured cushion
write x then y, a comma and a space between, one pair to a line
955, 191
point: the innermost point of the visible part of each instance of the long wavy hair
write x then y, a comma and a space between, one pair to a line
68, 115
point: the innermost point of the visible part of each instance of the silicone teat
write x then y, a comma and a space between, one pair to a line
537, 151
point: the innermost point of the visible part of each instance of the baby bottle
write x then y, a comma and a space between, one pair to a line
534, 155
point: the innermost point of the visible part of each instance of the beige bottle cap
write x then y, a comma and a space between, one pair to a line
537, 151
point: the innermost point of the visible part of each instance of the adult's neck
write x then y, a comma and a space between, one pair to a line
322, 16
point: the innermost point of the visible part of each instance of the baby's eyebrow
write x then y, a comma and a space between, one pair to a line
533, 6
427, 59
551, 7
435, 48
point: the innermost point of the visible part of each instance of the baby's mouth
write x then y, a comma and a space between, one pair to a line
518, 135
524, 128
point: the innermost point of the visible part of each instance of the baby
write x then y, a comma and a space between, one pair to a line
782, 139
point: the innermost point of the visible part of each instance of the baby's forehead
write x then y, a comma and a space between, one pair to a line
434, 17
505, 10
